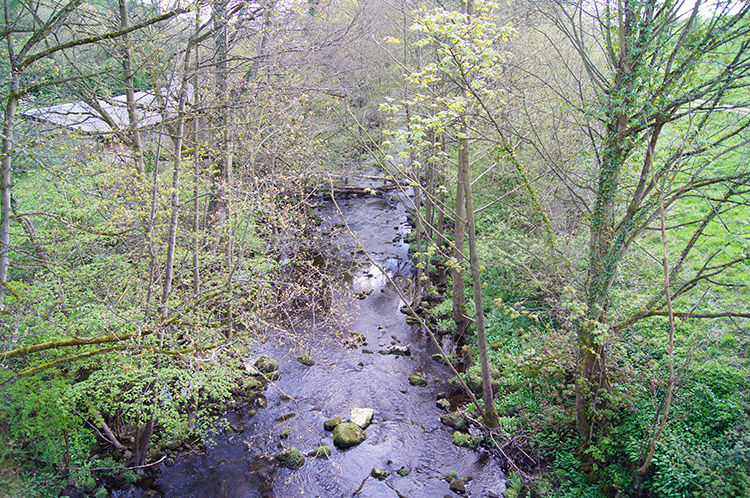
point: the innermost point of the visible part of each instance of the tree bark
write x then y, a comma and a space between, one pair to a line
5, 209
672, 381
460, 317
142, 441
177, 139
221, 118
490, 414
127, 66
196, 175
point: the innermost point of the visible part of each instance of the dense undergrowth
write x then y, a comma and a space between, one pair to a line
705, 447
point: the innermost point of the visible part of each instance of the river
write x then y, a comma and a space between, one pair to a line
406, 438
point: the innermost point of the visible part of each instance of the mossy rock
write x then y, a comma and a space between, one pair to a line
450, 476
266, 365
306, 360
250, 385
330, 424
291, 458
348, 434
357, 339
321, 452
473, 378
465, 440
417, 380
455, 421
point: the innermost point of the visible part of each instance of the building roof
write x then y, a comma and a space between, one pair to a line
85, 117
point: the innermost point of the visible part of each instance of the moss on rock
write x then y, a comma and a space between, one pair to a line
348, 434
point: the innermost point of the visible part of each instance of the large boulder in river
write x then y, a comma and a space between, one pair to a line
348, 434
361, 416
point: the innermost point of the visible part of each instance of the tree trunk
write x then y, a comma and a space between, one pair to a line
5, 206
603, 260
418, 228
142, 442
196, 175
605, 250
223, 144
127, 66
442, 279
490, 414
460, 314
177, 139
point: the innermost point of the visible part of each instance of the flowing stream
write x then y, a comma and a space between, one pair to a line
406, 434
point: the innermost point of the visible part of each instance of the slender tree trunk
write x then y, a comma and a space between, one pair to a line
27, 224
66, 453
127, 66
221, 119
196, 176
429, 209
672, 381
418, 228
259, 62
150, 229
7, 166
442, 277
490, 414
429, 212
110, 435
460, 313
177, 139
142, 441
11, 101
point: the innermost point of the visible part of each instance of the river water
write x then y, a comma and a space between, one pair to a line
405, 434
